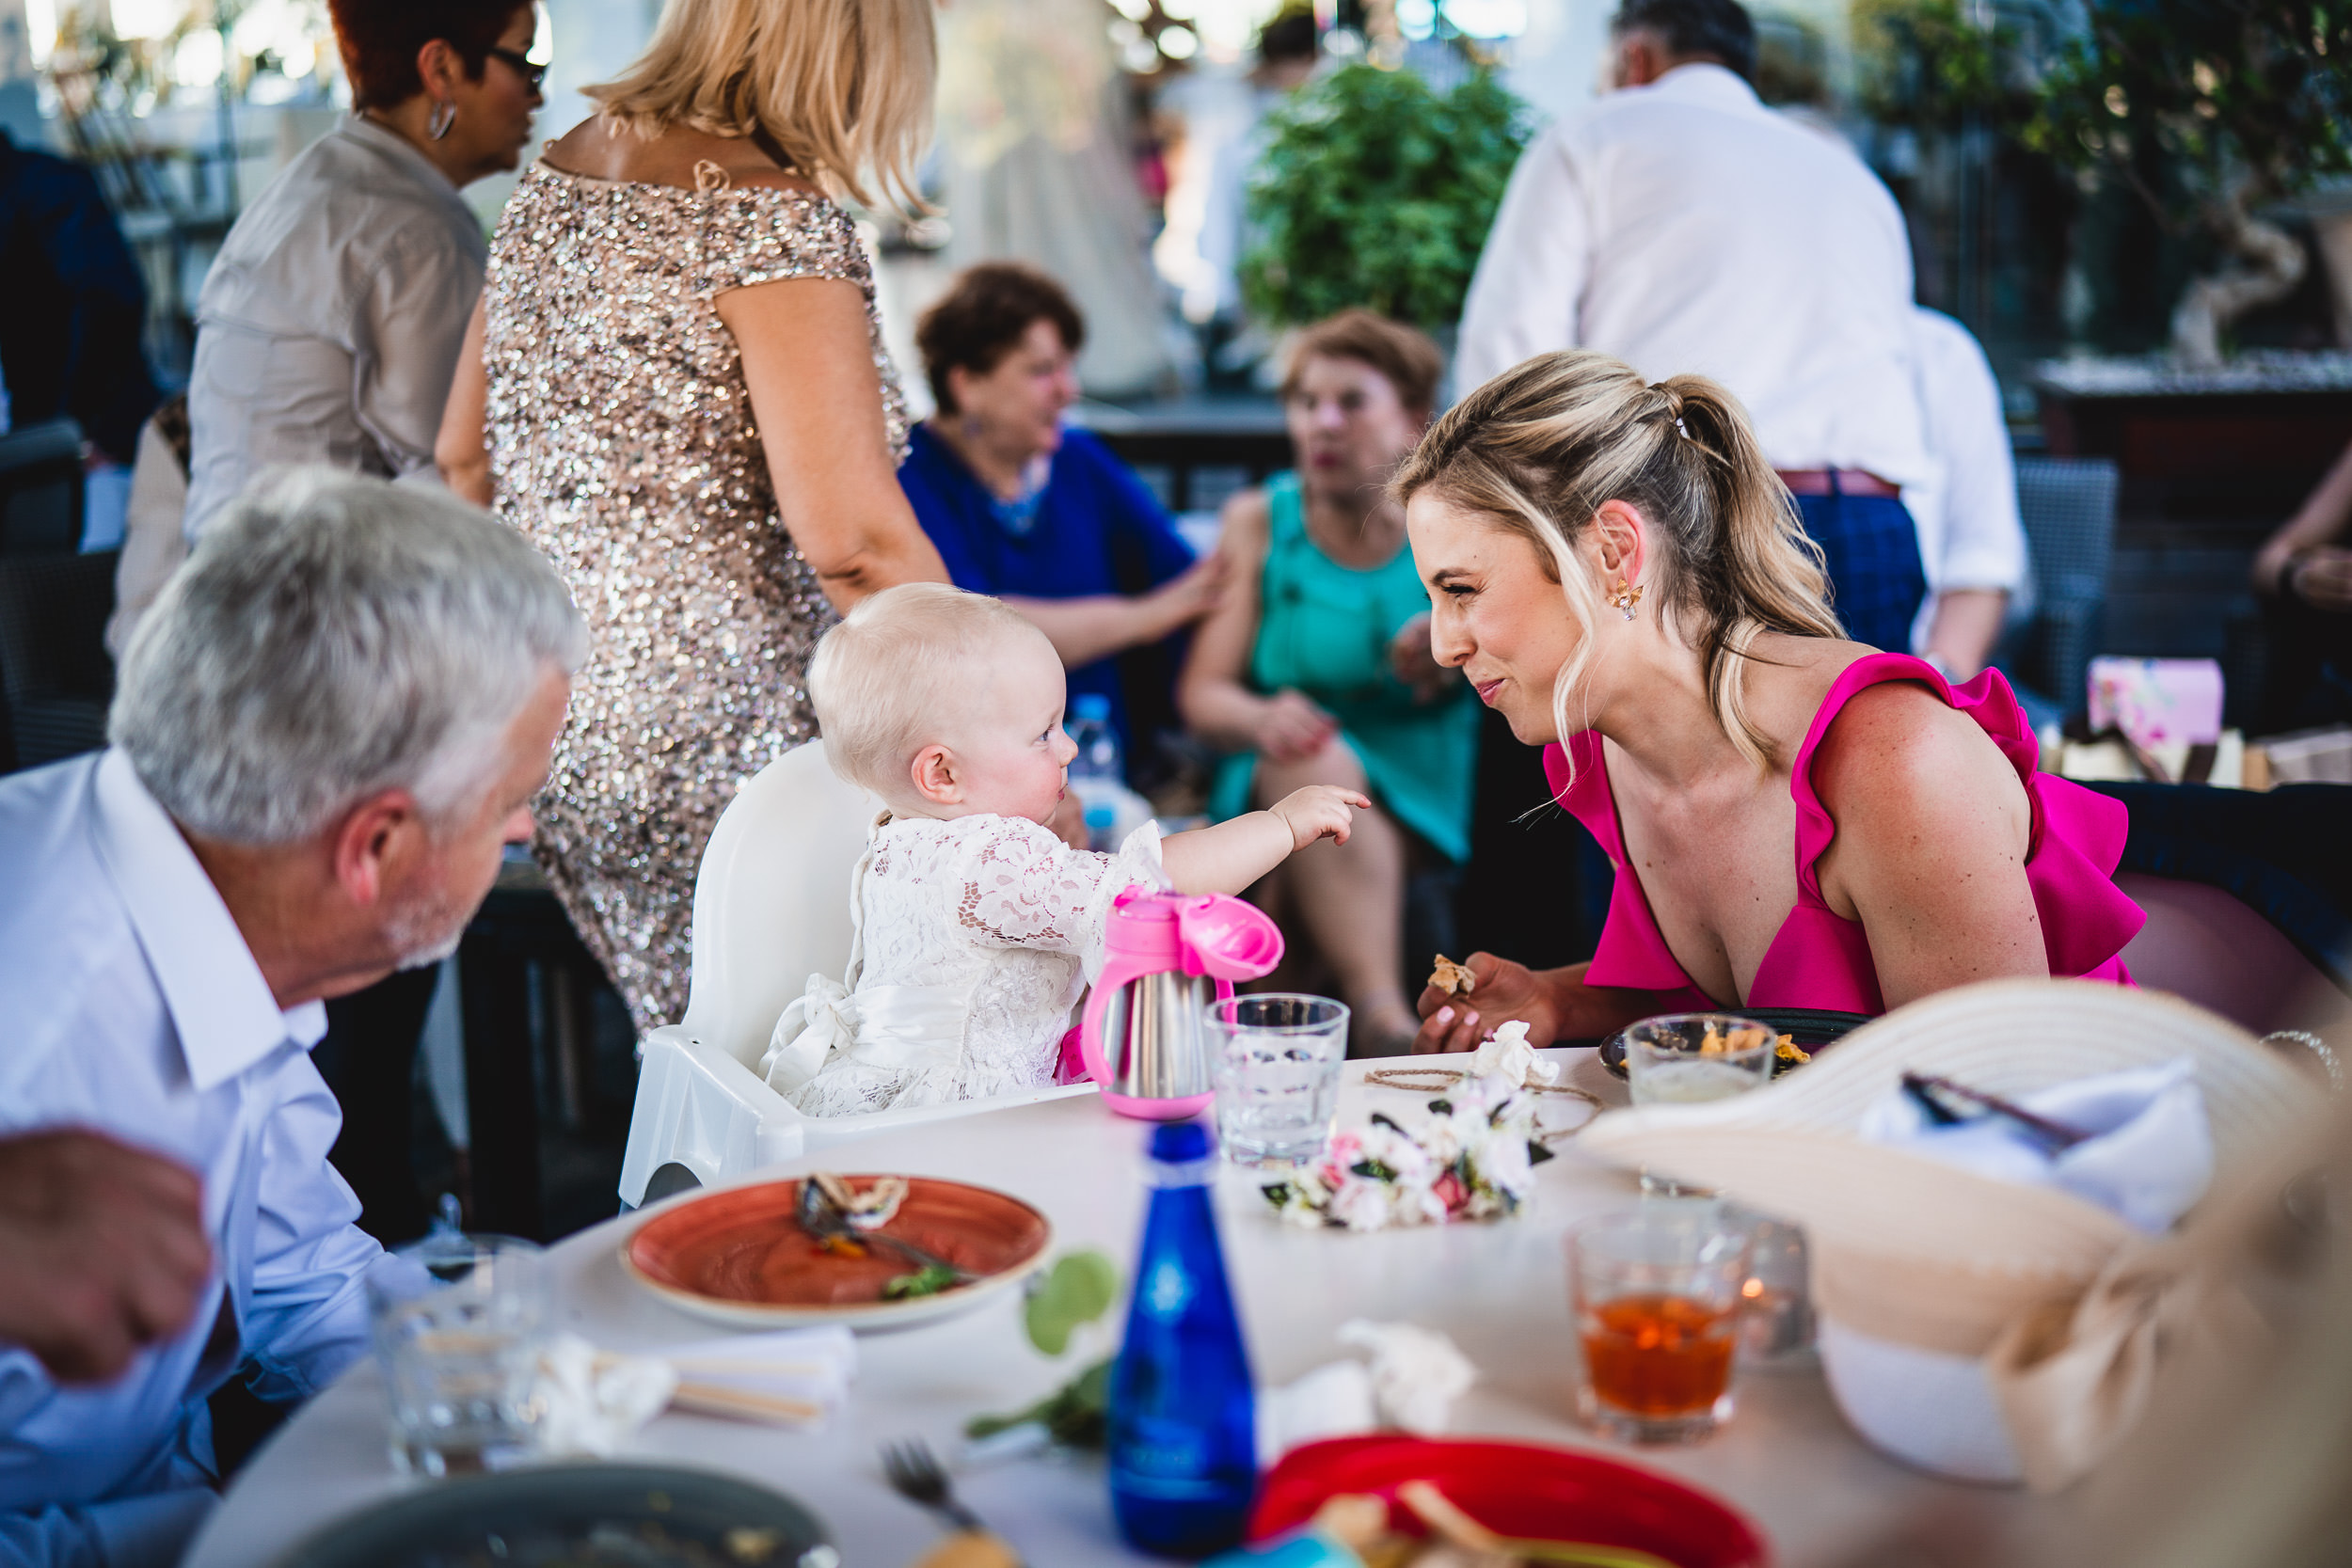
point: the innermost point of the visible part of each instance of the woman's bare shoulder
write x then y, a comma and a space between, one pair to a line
600, 149
1787, 680
1244, 519
1897, 751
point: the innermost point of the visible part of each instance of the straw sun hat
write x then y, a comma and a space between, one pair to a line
1973, 1326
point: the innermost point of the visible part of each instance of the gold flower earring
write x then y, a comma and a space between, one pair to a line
1626, 596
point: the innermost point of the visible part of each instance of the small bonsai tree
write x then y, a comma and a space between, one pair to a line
1373, 190
2212, 110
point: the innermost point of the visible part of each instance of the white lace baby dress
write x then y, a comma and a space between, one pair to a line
974, 939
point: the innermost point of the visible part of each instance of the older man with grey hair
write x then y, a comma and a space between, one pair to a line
328, 727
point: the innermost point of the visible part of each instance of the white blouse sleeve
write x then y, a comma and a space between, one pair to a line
1023, 887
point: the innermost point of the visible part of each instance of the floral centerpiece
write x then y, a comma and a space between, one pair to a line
1472, 1158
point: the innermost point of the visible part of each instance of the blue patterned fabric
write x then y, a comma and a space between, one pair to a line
1877, 582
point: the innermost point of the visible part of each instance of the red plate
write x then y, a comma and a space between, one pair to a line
1522, 1490
737, 1256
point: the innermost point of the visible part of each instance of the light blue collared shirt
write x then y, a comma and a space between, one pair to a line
132, 1007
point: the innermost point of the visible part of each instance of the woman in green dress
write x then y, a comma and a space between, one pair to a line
1316, 667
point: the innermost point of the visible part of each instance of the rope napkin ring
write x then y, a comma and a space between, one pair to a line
1437, 1080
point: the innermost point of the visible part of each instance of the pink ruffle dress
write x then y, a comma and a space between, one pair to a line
1821, 959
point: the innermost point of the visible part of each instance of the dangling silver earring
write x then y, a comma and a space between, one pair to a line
444, 116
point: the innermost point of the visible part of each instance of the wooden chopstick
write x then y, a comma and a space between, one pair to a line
712, 1399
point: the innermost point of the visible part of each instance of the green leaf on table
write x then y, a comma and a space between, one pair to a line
1078, 1289
1076, 1414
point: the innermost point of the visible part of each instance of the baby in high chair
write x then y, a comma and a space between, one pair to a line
975, 927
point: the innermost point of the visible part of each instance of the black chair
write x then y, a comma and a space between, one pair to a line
2249, 899
56, 677
2068, 507
40, 489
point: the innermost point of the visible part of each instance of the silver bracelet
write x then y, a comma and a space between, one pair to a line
2318, 1048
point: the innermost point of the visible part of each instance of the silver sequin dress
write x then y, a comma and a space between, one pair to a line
622, 443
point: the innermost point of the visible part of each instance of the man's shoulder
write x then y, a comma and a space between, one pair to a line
62, 922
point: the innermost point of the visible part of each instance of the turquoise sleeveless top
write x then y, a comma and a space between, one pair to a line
1325, 629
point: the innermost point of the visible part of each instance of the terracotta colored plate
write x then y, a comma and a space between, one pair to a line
1524, 1490
736, 1257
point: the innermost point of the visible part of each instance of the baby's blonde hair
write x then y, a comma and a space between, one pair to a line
879, 678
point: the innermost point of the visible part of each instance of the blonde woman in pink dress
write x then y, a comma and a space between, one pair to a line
680, 374
1797, 820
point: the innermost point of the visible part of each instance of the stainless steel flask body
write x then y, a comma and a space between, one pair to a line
1154, 1039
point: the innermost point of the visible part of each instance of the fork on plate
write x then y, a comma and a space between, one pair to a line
916, 1475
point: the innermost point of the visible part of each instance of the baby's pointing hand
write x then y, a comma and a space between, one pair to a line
1319, 810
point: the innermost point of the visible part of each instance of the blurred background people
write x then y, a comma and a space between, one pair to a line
153, 543
688, 405
69, 335
329, 325
1685, 227
2304, 574
1316, 667
1037, 515
1972, 542
327, 332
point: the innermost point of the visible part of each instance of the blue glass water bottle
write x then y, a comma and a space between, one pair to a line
1182, 1414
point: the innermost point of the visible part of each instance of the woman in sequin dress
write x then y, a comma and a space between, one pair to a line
687, 404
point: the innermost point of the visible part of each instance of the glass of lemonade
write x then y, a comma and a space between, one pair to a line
1275, 1059
1690, 1058
1657, 1293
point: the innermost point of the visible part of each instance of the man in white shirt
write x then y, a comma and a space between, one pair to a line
1970, 537
328, 727
1684, 227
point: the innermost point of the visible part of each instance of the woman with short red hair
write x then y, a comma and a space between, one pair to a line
329, 325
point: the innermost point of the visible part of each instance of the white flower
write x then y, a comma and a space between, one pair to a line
1416, 1201
1504, 1163
1360, 1205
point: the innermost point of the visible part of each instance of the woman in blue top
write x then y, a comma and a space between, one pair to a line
1043, 517
1316, 667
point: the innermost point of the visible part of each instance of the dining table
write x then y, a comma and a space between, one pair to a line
1497, 1288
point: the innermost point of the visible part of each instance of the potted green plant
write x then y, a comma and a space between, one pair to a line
2212, 110
1374, 190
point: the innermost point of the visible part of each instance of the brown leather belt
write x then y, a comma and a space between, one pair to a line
1838, 482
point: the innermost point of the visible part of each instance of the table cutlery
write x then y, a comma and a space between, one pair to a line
916, 1475
824, 1219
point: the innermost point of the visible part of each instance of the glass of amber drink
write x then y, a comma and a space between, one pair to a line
1655, 1292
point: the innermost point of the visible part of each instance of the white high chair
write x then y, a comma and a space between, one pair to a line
771, 906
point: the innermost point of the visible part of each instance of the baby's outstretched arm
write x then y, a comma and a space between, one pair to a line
1231, 855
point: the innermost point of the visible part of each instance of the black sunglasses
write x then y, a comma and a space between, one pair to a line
521, 64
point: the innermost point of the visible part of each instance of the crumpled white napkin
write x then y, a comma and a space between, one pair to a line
1506, 1051
1414, 1376
1417, 1372
592, 1401
2149, 1162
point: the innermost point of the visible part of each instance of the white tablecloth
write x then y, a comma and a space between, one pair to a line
1500, 1289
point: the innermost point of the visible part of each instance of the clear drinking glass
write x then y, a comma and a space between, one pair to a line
1688, 1058
1275, 1060
459, 1360
1777, 1324
1657, 1292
